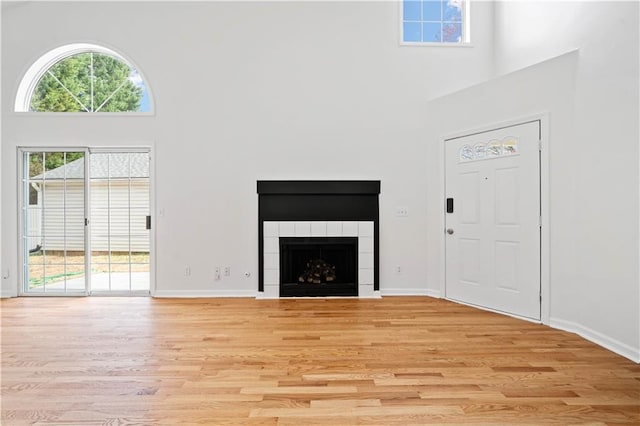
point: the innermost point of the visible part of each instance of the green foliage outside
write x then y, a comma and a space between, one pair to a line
112, 90
40, 281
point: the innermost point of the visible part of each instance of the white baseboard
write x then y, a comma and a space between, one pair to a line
433, 293
598, 338
410, 292
372, 295
204, 293
7, 294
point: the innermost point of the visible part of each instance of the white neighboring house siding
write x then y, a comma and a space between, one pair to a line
34, 230
62, 216
114, 213
66, 231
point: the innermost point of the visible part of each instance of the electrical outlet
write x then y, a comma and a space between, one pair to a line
398, 269
216, 274
402, 211
187, 271
227, 271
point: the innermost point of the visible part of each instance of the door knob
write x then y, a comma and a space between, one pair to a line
449, 231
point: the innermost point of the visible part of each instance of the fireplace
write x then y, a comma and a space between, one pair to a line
318, 266
330, 225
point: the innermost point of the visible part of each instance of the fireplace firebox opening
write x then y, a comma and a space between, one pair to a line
318, 266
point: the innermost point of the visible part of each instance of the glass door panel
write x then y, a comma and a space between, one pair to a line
53, 228
119, 236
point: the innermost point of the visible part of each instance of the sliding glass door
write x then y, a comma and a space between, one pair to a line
120, 222
85, 222
53, 236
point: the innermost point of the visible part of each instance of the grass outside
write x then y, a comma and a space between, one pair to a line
53, 267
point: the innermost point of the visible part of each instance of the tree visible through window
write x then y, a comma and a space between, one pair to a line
82, 77
435, 21
90, 82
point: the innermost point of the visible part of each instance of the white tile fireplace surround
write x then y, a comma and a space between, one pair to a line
274, 230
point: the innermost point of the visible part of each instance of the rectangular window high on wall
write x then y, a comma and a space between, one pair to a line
442, 22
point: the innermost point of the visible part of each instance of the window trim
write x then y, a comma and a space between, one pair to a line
466, 30
34, 73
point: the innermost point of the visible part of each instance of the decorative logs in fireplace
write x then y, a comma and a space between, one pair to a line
318, 271
318, 266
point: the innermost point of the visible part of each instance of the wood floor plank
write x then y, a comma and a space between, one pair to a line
391, 361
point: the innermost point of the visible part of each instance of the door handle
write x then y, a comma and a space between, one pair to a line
450, 231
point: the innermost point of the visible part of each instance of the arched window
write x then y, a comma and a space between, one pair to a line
82, 78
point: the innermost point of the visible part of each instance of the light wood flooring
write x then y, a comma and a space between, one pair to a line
394, 361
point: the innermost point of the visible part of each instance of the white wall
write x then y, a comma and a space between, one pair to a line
2, 269
249, 91
592, 99
322, 90
604, 297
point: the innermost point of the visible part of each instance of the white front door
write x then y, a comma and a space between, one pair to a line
493, 219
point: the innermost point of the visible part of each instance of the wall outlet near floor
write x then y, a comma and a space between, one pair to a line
187, 271
227, 271
402, 211
398, 269
216, 274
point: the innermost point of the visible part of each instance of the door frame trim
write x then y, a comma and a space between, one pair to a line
545, 231
20, 168
148, 148
142, 147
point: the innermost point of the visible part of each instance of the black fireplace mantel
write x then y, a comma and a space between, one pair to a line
326, 187
317, 200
